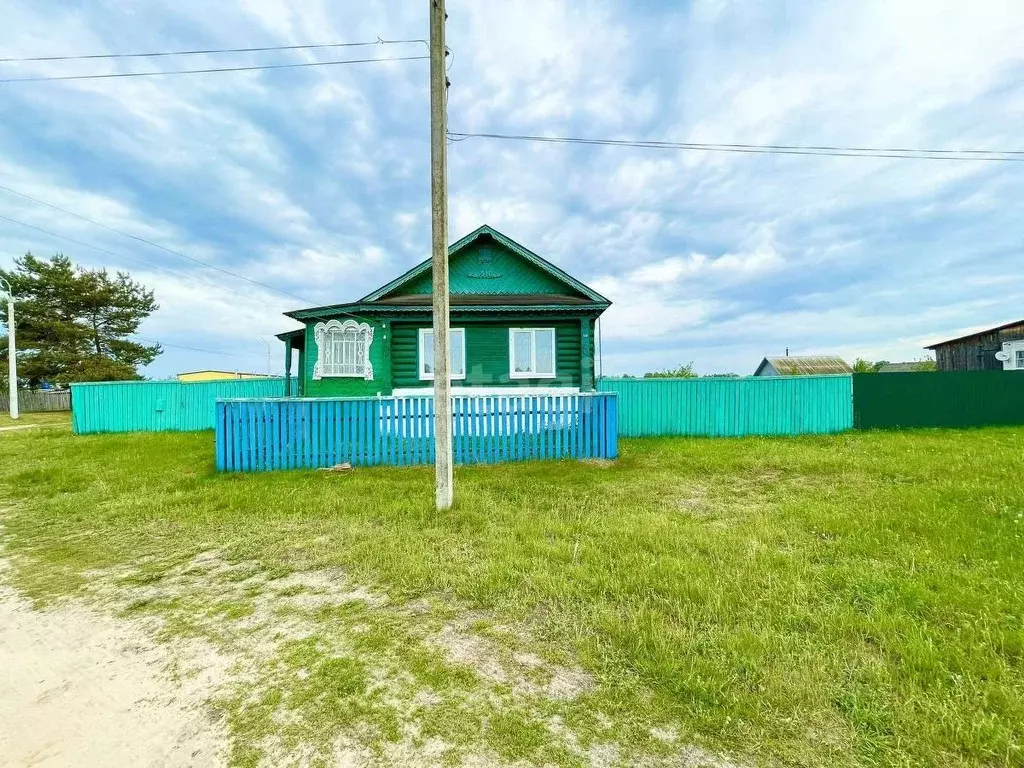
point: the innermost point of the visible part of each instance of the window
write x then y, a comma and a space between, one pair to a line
344, 350
457, 366
531, 353
1018, 360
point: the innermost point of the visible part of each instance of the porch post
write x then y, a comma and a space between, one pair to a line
288, 368
586, 356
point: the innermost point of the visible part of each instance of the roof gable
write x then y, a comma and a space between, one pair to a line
486, 262
806, 365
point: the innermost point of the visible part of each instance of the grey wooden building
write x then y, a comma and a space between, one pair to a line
803, 365
994, 349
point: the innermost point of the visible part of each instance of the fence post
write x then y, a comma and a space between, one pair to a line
218, 434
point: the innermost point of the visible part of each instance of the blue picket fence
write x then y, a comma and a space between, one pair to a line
255, 435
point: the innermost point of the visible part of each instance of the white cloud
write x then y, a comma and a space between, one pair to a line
316, 181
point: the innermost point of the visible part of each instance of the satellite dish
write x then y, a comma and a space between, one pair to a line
1002, 355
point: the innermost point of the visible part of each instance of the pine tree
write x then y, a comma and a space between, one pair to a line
75, 324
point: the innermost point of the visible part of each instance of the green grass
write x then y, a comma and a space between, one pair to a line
47, 418
846, 600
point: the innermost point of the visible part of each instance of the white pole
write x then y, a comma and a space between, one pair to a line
12, 350
268, 353
439, 227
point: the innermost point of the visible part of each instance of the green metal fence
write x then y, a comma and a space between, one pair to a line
794, 405
158, 406
944, 399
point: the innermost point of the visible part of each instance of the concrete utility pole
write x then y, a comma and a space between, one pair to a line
439, 227
12, 361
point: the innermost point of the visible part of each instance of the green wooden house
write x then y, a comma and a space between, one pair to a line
519, 325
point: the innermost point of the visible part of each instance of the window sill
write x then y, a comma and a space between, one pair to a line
344, 376
531, 375
453, 378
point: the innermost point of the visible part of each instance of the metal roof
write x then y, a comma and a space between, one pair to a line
998, 328
911, 367
804, 365
490, 299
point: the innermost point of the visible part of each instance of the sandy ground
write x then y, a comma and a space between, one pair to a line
81, 689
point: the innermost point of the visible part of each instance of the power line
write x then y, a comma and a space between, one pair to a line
195, 349
154, 245
163, 248
116, 255
198, 52
209, 71
771, 149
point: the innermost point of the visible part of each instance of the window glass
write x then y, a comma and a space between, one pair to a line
427, 353
522, 353
345, 354
457, 362
1019, 359
544, 341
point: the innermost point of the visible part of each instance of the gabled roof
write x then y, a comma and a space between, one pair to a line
481, 232
966, 336
806, 365
911, 367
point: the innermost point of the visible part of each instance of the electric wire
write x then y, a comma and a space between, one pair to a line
211, 70
777, 149
210, 51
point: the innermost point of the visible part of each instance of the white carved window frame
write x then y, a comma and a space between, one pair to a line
324, 333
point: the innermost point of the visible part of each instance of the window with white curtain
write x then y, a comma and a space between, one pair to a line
531, 353
457, 365
344, 349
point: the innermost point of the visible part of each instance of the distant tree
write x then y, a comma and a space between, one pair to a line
927, 365
74, 324
721, 376
860, 365
682, 372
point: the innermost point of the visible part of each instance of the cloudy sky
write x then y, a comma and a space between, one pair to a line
316, 180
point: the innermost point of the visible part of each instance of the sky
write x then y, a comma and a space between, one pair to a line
315, 180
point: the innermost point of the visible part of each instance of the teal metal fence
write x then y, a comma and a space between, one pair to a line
260, 435
726, 407
158, 406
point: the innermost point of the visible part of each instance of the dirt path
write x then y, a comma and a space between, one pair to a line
81, 689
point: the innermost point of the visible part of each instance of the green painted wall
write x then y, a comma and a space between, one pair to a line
487, 353
487, 267
380, 358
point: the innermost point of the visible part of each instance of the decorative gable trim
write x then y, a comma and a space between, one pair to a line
524, 253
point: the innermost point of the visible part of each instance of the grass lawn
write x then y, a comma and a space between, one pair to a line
847, 600
44, 418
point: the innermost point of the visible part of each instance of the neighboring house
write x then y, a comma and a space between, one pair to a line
999, 348
217, 375
519, 324
912, 367
803, 365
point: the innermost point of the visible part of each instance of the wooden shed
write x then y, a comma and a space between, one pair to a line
977, 351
